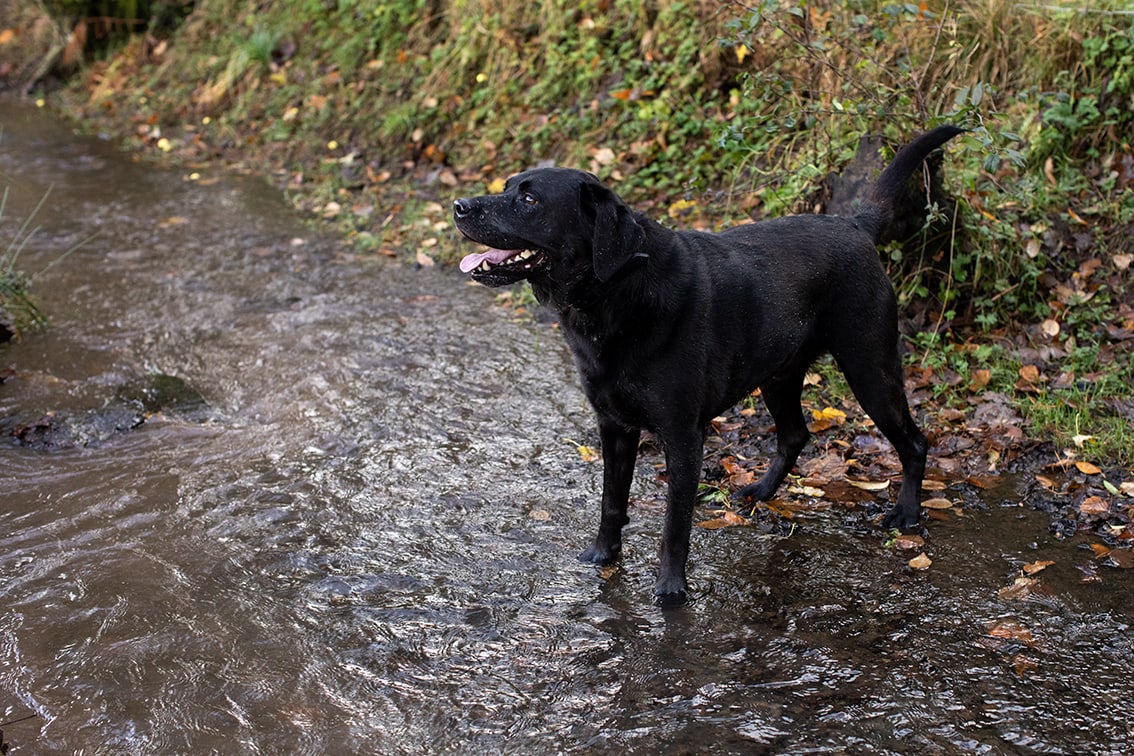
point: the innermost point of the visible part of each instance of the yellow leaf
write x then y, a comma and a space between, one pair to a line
1087, 468
679, 207
496, 185
741, 53
6, 36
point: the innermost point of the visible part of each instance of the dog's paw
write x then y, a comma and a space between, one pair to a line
761, 490
901, 519
668, 599
598, 553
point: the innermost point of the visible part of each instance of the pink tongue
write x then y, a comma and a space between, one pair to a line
471, 262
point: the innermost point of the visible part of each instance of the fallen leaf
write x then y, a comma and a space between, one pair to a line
1127, 488
540, 515
806, 491
1100, 550
933, 485
1087, 468
727, 519
424, 260
604, 156
1050, 328
937, 503
921, 562
1032, 568
870, 485
496, 185
1094, 505
1011, 630
1021, 665
909, 542
1020, 589
1121, 558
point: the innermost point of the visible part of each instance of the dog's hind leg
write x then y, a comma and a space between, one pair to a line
619, 452
875, 377
782, 397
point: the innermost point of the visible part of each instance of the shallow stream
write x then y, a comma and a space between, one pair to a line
262, 495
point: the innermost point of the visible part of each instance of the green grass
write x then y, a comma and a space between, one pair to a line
18, 311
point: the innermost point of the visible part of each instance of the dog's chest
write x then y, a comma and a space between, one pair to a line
611, 377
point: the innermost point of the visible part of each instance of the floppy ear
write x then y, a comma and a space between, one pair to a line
617, 236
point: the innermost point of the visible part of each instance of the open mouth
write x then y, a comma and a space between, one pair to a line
498, 267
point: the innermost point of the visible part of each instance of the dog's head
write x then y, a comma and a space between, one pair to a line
550, 225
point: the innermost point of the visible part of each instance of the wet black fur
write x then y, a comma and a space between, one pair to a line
671, 328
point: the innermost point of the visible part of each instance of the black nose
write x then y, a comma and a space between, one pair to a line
461, 207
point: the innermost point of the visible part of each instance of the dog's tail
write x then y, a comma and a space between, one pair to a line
878, 210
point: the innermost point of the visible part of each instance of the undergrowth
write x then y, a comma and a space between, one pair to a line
703, 112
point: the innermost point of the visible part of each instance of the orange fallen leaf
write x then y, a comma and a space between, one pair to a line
727, 519
1087, 468
1100, 550
921, 562
1032, 568
1011, 630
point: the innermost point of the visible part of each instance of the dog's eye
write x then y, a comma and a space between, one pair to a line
529, 199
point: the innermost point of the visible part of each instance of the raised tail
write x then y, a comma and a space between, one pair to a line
878, 209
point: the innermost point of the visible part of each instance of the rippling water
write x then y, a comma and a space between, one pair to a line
367, 542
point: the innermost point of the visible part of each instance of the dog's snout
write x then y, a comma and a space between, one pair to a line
462, 207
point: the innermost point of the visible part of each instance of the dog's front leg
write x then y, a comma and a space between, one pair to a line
619, 452
683, 456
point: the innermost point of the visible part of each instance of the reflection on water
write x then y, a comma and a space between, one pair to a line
367, 543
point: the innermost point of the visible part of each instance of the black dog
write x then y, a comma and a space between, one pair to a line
670, 328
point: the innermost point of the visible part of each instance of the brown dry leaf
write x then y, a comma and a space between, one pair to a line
1020, 589
1021, 665
1094, 505
1010, 629
1121, 558
6, 36
933, 485
870, 485
727, 519
909, 542
920, 562
937, 503
424, 260
1087, 468
606, 572
980, 379
1050, 328
1046, 482
1032, 568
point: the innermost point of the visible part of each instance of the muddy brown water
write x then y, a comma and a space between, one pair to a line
364, 541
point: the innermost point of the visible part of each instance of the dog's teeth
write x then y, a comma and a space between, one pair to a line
484, 265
